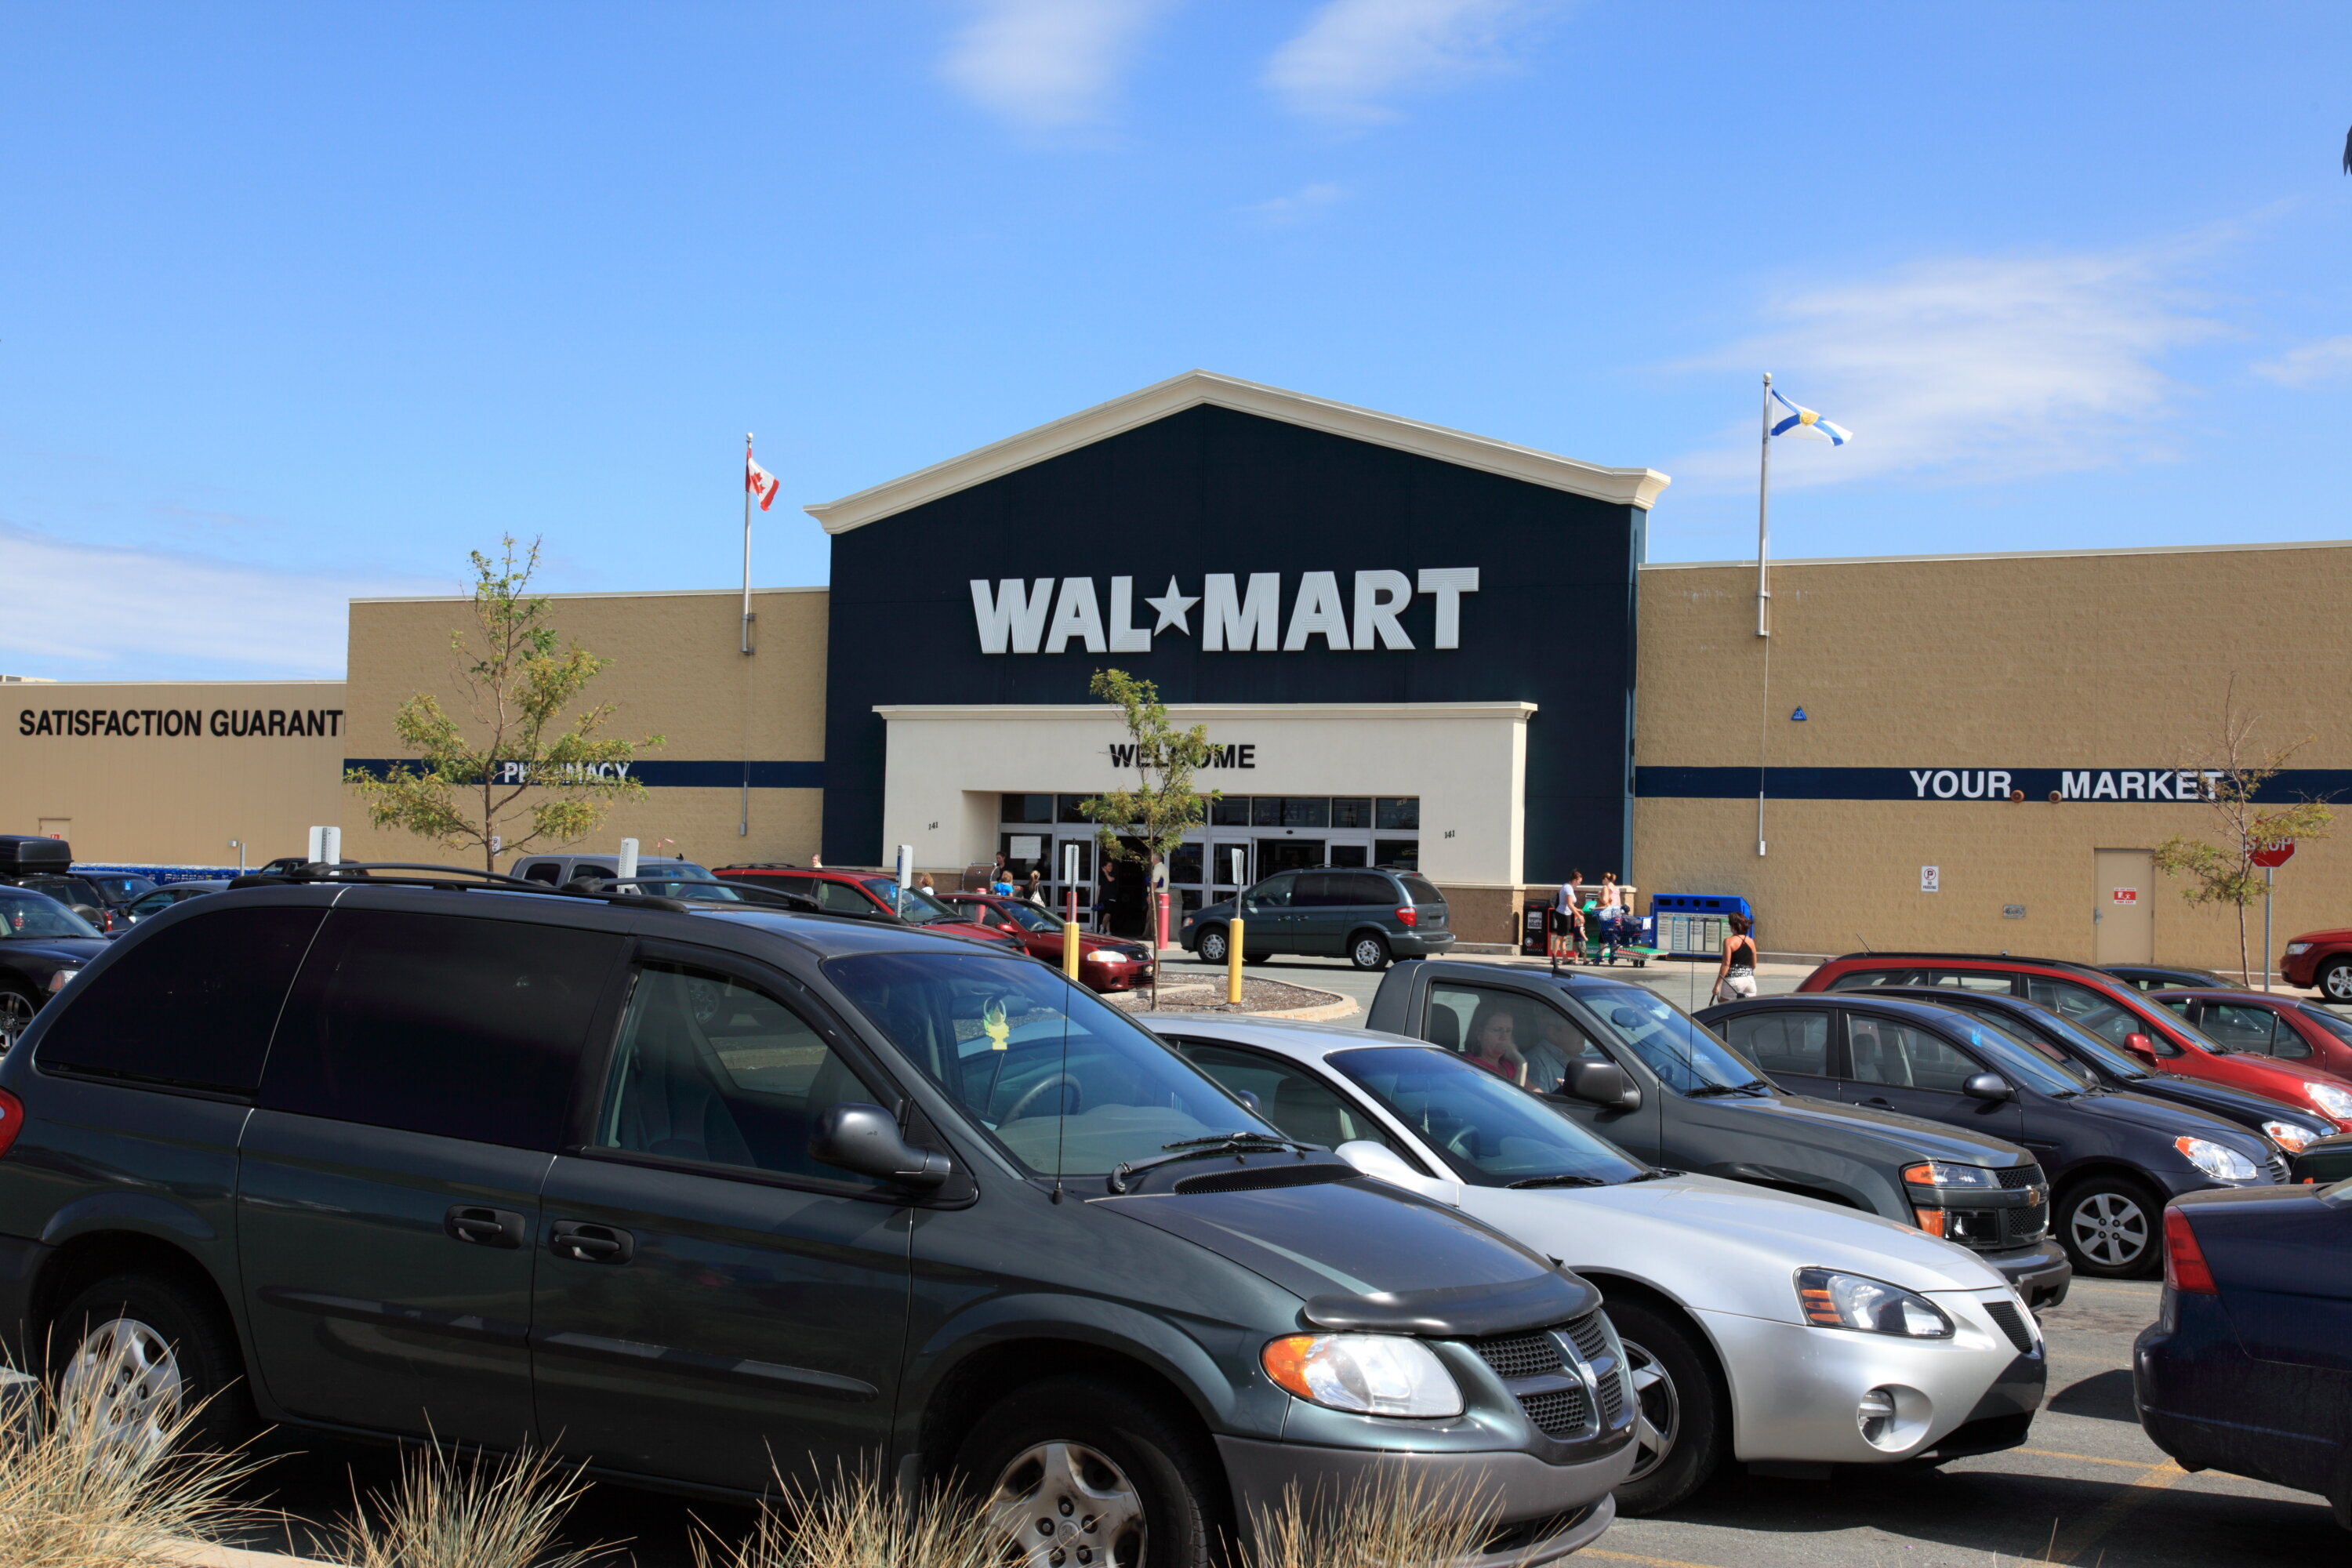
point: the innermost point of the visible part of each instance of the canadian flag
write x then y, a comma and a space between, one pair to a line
757, 480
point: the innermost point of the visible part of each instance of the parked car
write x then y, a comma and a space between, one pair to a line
1366, 916
2320, 960
2152, 1033
2268, 1024
871, 896
2167, 978
2322, 1164
2245, 1368
1760, 1327
556, 870
2076, 1047
690, 1196
2113, 1158
42, 945
76, 895
1105, 962
163, 898
121, 889
708, 891
1651, 1078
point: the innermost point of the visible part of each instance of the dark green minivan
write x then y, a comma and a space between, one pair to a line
1365, 915
721, 1198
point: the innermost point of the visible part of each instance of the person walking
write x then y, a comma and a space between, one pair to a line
1735, 977
1034, 889
1563, 921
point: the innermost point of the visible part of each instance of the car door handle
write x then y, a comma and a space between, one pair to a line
483, 1226
585, 1243
1880, 1103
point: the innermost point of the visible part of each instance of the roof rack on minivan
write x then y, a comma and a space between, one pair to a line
456, 879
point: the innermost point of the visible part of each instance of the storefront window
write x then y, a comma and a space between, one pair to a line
1351, 811
1066, 808
1265, 811
1027, 808
1232, 811
1401, 813
1397, 854
1306, 811
1184, 863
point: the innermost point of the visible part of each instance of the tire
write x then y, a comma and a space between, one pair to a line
1368, 949
2335, 980
164, 1347
17, 1006
1684, 1431
2112, 1228
1041, 1456
1214, 946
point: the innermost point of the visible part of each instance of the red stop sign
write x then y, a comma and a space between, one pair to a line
2273, 853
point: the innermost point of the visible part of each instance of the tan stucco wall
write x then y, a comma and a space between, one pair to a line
151, 798
676, 671
2099, 661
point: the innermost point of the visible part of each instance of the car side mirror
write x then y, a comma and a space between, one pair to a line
1602, 1083
1988, 1086
866, 1140
1384, 1163
2141, 1046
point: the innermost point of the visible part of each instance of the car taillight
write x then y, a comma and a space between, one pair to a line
2184, 1260
12, 1119
1406, 917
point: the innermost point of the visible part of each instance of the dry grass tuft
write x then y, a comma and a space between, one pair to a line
858, 1521
1396, 1520
448, 1511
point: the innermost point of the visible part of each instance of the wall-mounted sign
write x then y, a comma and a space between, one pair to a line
1237, 614
2078, 783
1931, 878
1233, 756
238, 724
2127, 895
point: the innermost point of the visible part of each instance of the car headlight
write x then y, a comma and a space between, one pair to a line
1833, 1300
2294, 948
57, 981
2217, 1161
1937, 1173
2334, 1101
1102, 956
1370, 1375
2286, 1135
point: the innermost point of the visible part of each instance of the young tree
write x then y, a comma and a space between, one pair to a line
1150, 820
468, 787
2235, 767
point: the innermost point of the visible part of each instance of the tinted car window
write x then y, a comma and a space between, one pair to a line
1292, 1099
1670, 1042
1865, 979
1512, 1035
712, 1070
1274, 893
2256, 1029
1319, 890
1364, 887
2328, 1021
1421, 888
30, 916
1782, 1041
1904, 1055
1489, 1132
548, 872
465, 1029
1993, 984
842, 899
188, 1006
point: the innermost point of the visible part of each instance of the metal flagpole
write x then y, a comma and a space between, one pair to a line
1763, 602
743, 819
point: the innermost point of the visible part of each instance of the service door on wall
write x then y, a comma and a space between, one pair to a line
2124, 929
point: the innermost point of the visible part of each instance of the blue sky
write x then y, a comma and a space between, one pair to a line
302, 301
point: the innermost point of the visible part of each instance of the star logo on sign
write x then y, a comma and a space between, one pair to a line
1174, 609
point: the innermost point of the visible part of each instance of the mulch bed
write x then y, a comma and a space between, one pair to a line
1192, 994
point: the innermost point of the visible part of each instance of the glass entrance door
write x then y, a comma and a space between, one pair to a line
1287, 854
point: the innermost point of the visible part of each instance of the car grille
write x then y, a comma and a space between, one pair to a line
1543, 1358
2020, 1176
1519, 1355
2012, 1323
2276, 1166
1996, 1230
1595, 1343
1561, 1413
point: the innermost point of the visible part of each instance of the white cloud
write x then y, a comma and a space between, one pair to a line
1045, 64
1971, 369
1283, 211
111, 613
1354, 53
2329, 359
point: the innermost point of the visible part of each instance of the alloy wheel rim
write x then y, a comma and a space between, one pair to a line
2340, 982
2109, 1229
16, 1015
1367, 953
1061, 1504
1657, 1410
125, 1379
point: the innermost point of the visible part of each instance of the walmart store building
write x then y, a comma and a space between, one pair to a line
1411, 646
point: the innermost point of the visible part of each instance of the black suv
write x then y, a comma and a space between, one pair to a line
711, 1196
1656, 1082
1366, 916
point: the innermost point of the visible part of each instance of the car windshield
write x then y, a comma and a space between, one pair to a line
1677, 1048
2326, 1020
1024, 913
123, 889
2013, 1058
1492, 1134
915, 905
30, 916
1068, 1085
2068, 1036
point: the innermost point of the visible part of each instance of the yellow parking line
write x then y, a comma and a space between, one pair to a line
2086, 1458
1635, 1557
2065, 1545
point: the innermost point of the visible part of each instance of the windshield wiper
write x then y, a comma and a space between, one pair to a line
1234, 1143
1655, 1174
1560, 1181
1705, 1090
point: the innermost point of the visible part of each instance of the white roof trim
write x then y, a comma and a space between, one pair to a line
1620, 487
1519, 713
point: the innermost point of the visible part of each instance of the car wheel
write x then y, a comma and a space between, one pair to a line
2112, 1228
1369, 951
1679, 1431
2336, 980
1080, 1472
16, 1009
1213, 947
149, 1357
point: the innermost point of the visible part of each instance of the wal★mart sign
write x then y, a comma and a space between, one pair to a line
1238, 615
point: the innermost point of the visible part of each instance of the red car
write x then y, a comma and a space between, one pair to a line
2321, 961
1105, 962
867, 895
2108, 1007
2287, 1028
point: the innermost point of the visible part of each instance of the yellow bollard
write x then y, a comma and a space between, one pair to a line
1071, 949
1233, 965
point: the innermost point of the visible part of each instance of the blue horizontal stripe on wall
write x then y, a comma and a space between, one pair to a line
2101, 785
655, 773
